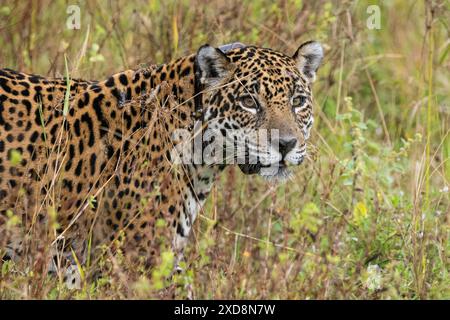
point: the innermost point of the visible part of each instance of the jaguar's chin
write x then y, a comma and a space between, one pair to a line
250, 168
277, 172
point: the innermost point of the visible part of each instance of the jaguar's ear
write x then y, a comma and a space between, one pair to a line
308, 57
212, 65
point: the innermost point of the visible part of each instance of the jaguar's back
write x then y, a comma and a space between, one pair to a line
31, 108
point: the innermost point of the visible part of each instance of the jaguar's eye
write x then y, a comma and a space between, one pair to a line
298, 101
249, 103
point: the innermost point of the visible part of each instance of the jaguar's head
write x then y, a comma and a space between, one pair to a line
258, 105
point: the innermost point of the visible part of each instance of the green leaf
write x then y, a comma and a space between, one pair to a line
15, 157
67, 95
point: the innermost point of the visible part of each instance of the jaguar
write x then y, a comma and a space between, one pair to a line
87, 163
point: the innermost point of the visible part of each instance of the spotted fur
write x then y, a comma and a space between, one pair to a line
105, 166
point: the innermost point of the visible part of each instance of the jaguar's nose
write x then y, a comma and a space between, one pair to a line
286, 145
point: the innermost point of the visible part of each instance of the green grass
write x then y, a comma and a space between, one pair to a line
366, 217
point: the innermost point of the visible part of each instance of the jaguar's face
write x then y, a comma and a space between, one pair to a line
258, 105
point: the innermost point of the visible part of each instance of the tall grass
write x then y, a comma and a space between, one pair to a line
366, 217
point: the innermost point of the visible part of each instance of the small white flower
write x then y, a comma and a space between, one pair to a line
373, 281
444, 189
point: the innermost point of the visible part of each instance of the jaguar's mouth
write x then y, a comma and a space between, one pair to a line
275, 171
250, 168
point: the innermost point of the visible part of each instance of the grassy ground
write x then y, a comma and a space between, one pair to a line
367, 216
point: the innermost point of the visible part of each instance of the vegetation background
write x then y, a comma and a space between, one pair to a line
366, 217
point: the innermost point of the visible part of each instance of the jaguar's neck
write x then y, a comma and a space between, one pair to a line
169, 85
161, 98
171, 99
164, 99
